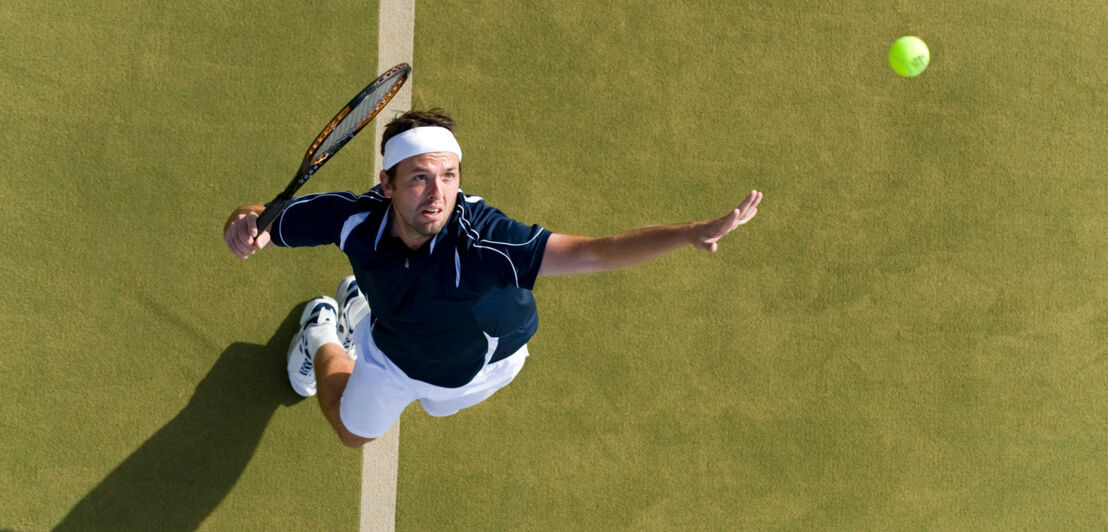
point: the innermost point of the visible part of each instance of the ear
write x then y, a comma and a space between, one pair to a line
386, 185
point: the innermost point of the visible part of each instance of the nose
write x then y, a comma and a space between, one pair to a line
434, 188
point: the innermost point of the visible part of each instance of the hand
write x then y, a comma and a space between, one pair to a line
241, 234
712, 231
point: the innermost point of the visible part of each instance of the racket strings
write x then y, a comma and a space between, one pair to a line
375, 99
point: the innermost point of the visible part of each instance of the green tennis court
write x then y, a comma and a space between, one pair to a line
911, 334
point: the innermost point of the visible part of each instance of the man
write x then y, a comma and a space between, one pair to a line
439, 308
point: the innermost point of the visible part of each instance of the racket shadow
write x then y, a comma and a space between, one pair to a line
182, 473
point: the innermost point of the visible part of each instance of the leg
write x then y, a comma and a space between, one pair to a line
318, 364
332, 369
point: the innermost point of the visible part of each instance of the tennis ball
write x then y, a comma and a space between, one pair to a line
909, 56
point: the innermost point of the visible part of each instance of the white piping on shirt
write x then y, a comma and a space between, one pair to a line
381, 230
348, 196
467, 226
351, 223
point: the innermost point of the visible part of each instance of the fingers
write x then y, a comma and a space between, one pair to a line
241, 236
749, 207
717, 229
751, 201
261, 240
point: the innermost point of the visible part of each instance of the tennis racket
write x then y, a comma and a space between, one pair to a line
350, 120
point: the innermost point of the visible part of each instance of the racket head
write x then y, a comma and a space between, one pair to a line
354, 116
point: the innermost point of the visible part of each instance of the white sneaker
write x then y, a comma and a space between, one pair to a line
320, 312
353, 308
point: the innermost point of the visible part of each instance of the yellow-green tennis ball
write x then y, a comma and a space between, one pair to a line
909, 56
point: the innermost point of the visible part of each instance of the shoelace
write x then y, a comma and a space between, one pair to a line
317, 318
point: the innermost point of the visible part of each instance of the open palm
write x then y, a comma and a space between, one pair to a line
717, 229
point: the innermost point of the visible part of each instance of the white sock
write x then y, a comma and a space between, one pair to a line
320, 334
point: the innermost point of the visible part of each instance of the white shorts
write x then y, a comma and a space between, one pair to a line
378, 391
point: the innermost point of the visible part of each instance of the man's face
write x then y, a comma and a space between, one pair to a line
423, 195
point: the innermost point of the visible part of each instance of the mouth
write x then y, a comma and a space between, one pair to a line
432, 212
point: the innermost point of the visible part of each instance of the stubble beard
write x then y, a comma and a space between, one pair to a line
427, 230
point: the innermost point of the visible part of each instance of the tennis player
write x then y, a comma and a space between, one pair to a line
439, 307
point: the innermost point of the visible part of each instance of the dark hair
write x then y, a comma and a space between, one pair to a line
413, 119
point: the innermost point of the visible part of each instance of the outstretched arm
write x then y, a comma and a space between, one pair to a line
241, 231
567, 254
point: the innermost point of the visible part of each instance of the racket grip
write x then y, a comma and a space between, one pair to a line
271, 212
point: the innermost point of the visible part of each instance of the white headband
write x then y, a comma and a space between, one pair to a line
420, 140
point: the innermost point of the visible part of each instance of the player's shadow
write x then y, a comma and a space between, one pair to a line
175, 479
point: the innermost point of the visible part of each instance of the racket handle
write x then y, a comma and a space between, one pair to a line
271, 213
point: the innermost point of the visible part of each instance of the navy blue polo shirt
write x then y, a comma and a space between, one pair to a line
431, 307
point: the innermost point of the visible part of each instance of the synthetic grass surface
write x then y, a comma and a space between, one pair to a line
145, 364
910, 335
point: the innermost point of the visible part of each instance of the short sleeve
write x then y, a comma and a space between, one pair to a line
510, 249
314, 220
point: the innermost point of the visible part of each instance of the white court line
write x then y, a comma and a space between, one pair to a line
395, 44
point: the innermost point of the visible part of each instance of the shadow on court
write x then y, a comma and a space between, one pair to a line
175, 479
